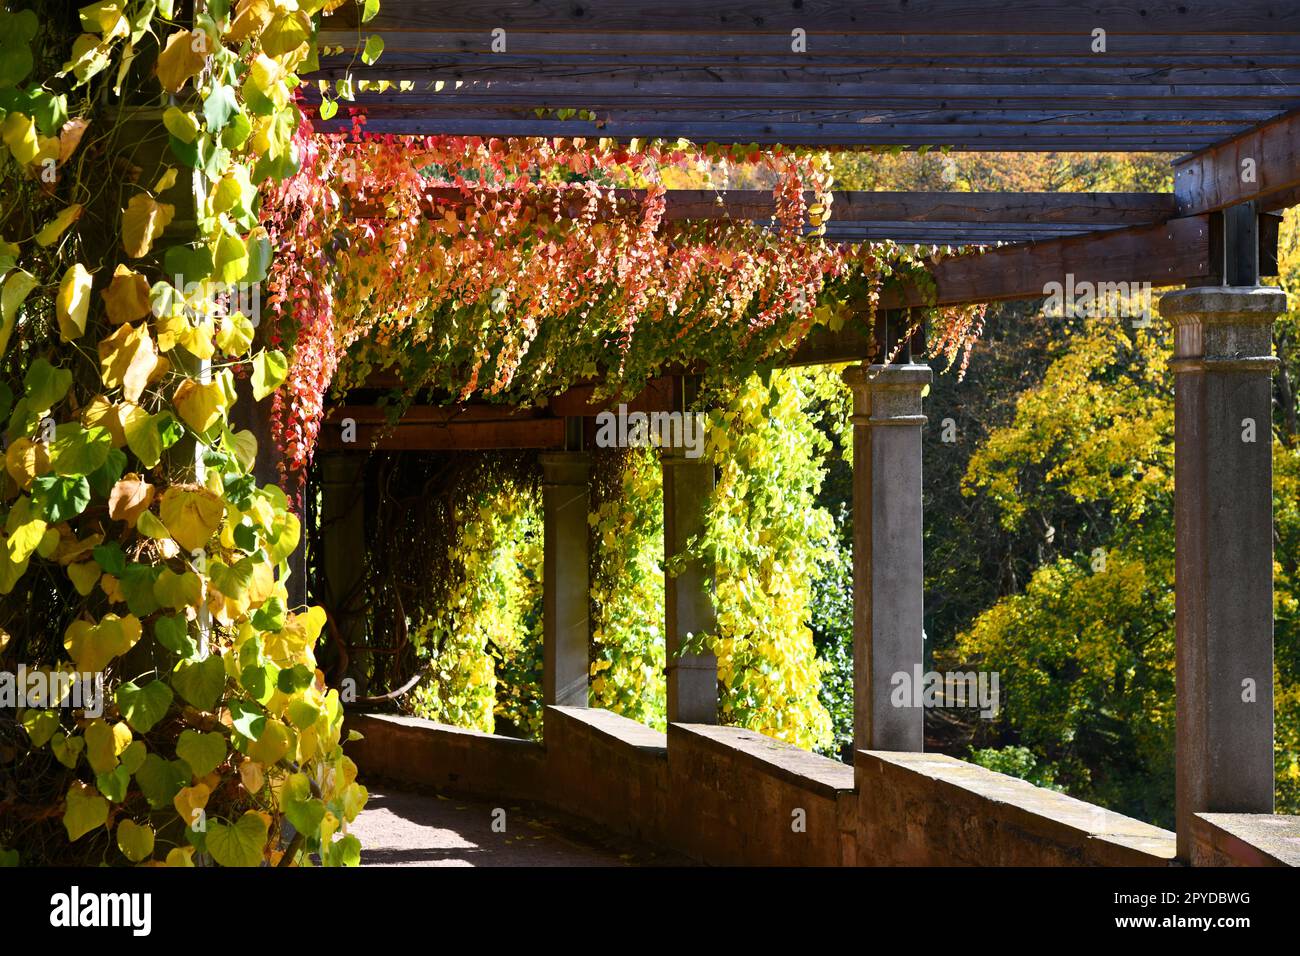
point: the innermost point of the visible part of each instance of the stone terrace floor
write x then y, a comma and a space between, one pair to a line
405, 828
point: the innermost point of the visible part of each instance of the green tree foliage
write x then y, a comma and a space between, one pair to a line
1085, 649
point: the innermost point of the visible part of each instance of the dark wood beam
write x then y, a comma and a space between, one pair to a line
969, 17
1261, 164
1163, 254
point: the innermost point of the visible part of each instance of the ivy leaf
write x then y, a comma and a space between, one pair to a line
12, 295
45, 385
192, 514
127, 359
200, 404
79, 451
16, 33
269, 371
183, 57
143, 221
73, 302
304, 811
85, 811
129, 498
144, 706
135, 840
60, 498
173, 634
160, 780
238, 845
51, 231
200, 682
219, 106
374, 47
203, 752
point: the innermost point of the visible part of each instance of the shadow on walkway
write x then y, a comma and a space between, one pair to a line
406, 828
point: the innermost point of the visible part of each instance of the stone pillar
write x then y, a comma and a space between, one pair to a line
343, 538
1223, 533
692, 678
888, 568
565, 577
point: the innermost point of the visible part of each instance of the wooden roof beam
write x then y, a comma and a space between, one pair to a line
1261, 164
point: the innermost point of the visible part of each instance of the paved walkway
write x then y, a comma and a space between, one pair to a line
400, 828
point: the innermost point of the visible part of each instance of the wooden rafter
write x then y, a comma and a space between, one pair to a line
1261, 164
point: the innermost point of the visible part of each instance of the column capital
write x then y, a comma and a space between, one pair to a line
565, 467
888, 394
1228, 326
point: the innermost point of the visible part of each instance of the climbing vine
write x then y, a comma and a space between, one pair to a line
138, 547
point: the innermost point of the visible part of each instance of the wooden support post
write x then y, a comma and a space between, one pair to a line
688, 484
888, 566
1223, 521
343, 541
565, 574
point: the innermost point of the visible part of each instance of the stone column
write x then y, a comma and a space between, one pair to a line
565, 577
692, 678
888, 569
343, 537
1223, 532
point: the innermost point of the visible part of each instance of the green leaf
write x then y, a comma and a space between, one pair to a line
59, 499
219, 107
113, 785
304, 811
269, 371
79, 451
368, 10
200, 682
203, 752
238, 845
173, 633
86, 811
45, 385
144, 706
344, 852
374, 47
160, 780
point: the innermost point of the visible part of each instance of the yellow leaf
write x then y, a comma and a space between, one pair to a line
250, 773
50, 233
166, 181
182, 58
103, 413
85, 811
17, 287
73, 302
84, 576
127, 359
191, 800
271, 744
129, 497
235, 335
127, 296
92, 646
200, 404
135, 841
142, 222
252, 17
19, 134
192, 514
181, 856
26, 460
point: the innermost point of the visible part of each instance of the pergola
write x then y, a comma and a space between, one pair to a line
1216, 82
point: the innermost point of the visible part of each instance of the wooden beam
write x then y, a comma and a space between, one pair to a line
455, 436
970, 17
1075, 211
430, 47
1163, 254
1260, 164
